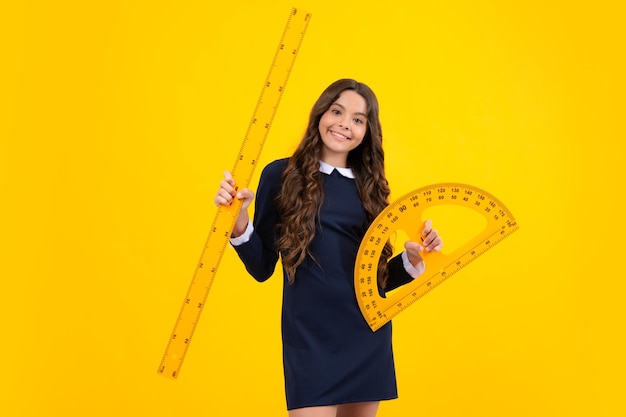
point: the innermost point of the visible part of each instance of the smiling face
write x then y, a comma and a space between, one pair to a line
342, 127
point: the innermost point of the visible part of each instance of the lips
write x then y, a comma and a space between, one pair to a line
338, 136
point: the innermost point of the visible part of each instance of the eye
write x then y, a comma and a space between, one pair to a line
358, 121
335, 112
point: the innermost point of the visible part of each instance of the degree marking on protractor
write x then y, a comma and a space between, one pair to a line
225, 218
404, 214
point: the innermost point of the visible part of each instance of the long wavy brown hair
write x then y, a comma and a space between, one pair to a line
301, 197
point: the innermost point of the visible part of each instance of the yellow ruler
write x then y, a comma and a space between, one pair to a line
405, 214
245, 164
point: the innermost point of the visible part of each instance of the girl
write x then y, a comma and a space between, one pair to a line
312, 210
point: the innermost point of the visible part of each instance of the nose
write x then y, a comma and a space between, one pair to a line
344, 124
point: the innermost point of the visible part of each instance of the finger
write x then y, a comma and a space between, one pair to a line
428, 225
220, 201
413, 251
430, 237
435, 245
413, 247
245, 194
427, 232
223, 197
227, 187
229, 178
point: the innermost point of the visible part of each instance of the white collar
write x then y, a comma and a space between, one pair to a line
328, 169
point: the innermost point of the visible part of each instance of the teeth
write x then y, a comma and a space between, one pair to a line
339, 135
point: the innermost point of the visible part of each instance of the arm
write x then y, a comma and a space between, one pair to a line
255, 244
398, 274
409, 265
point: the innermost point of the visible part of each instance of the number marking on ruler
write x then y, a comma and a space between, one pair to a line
224, 221
406, 214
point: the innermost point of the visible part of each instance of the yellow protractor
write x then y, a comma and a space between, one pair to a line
405, 214
224, 221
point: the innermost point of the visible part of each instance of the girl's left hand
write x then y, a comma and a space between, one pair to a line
431, 242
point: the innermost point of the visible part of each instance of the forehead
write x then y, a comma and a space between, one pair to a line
352, 102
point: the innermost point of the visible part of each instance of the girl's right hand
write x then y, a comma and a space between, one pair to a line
228, 192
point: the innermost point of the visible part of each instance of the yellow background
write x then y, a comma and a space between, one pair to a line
117, 119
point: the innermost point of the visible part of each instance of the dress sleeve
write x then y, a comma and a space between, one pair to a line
397, 274
259, 254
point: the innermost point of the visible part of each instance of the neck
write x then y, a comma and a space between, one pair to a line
338, 161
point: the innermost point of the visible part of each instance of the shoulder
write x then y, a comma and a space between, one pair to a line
274, 170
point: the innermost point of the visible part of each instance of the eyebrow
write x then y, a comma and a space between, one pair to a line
343, 107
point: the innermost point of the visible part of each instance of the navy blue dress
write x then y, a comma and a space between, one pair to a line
330, 354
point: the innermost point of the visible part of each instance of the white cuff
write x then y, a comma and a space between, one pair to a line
245, 236
414, 272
